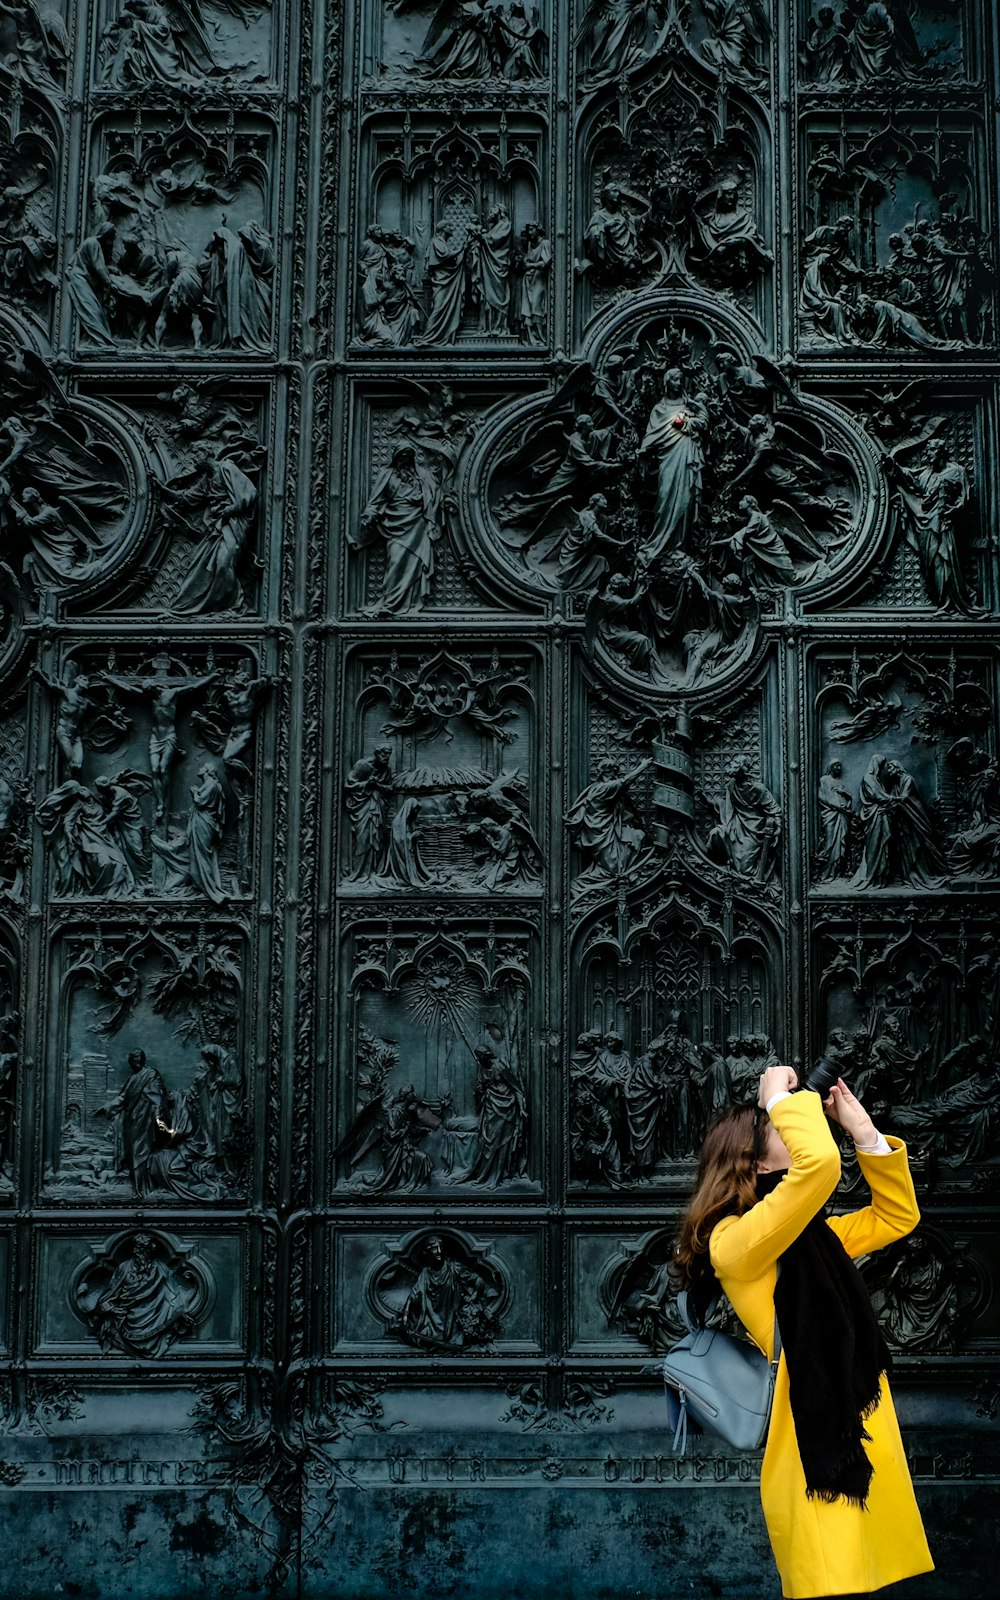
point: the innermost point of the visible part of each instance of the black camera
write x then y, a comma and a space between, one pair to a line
822, 1076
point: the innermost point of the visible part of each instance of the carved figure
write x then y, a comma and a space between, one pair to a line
931, 499
241, 693
190, 857
824, 52
747, 835
146, 1306
489, 261
605, 827
764, 555
592, 1140
830, 270
164, 694
739, 28
836, 810
240, 265
974, 851
154, 42
446, 263
620, 33
674, 436
502, 1144
215, 504
961, 1121
34, 42
725, 236
611, 243
95, 836
449, 1305
389, 310
535, 264
218, 1092
91, 283
407, 509
74, 701
392, 1123
899, 843
367, 794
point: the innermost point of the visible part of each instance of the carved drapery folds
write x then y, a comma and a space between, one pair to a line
498, 594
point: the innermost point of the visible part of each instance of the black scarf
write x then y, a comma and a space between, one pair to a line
835, 1355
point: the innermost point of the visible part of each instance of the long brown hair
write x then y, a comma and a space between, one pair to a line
726, 1186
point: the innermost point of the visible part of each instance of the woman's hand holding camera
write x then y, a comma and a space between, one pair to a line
842, 1107
775, 1081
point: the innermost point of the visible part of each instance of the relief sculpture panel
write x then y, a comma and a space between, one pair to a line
498, 647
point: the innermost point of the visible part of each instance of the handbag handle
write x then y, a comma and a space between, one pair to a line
713, 1305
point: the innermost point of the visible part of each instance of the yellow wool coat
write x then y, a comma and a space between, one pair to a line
823, 1548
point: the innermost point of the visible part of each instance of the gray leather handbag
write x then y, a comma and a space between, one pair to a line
725, 1385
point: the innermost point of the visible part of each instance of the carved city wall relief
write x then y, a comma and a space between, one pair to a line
730, 40
894, 252
854, 47
153, 791
177, 252
677, 1014
672, 192
436, 1291
425, 45
912, 1008
212, 46
30, 152
440, 1085
675, 487
147, 1097
906, 787
73, 487
36, 45
140, 1293
444, 791
453, 246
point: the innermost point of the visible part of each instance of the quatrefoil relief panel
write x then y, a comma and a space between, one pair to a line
674, 489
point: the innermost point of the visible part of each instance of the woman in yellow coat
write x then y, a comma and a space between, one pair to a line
846, 1523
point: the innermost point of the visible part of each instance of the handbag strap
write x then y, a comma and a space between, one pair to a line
713, 1306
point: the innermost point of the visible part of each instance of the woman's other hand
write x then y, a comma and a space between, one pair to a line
844, 1108
775, 1081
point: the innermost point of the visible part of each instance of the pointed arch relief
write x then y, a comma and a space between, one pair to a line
678, 1011
453, 249
675, 190
674, 491
441, 1087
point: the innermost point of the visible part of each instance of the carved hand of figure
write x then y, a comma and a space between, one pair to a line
846, 1110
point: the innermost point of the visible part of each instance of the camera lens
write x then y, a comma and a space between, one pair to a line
822, 1076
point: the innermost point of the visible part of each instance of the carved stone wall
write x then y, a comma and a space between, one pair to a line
498, 644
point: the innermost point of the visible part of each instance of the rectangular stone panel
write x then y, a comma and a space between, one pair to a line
139, 1292
400, 1293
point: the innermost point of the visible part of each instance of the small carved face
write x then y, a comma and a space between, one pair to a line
435, 1250
836, 768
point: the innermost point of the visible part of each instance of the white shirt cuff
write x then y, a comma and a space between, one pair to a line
782, 1094
881, 1147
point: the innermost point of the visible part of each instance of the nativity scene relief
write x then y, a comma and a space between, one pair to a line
443, 799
